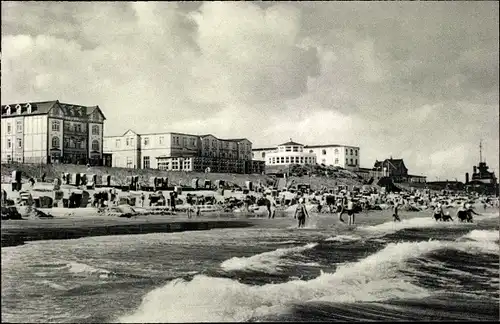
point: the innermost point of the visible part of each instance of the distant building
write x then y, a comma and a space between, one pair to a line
396, 170
483, 180
347, 157
181, 152
51, 132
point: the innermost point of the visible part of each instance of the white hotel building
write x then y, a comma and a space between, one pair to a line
347, 157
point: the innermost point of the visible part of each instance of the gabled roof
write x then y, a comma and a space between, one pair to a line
291, 143
90, 111
394, 162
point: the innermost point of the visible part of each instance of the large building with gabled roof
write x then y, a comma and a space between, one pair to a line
51, 132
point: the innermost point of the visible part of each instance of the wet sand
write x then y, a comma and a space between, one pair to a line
16, 232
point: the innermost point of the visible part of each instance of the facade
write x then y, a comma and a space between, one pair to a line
52, 132
347, 157
182, 152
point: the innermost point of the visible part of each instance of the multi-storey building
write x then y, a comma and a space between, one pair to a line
347, 157
181, 152
52, 132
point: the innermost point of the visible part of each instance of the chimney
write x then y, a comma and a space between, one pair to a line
467, 177
475, 169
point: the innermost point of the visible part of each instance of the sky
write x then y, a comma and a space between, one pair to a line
411, 80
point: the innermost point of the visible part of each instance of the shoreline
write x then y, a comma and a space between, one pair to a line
18, 232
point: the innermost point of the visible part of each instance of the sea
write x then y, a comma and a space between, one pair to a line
417, 269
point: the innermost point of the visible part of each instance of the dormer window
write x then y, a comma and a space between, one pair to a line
18, 109
8, 109
28, 108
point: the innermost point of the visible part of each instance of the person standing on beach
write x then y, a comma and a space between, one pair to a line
340, 209
350, 211
301, 213
142, 199
395, 216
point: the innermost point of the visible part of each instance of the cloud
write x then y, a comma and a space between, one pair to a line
414, 80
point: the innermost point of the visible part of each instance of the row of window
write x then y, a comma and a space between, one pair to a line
76, 127
292, 160
19, 127
19, 143
299, 149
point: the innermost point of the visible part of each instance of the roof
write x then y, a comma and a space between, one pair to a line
291, 143
44, 107
392, 161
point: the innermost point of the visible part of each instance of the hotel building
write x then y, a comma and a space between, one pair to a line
347, 157
181, 152
51, 132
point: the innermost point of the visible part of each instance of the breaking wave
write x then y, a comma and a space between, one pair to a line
269, 262
343, 238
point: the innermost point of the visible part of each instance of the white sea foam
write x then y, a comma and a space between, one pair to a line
374, 278
483, 235
82, 268
343, 238
269, 262
420, 222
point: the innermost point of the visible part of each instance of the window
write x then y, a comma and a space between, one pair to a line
19, 143
287, 159
346, 161
19, 126
66, 142
127, 142
302, 160
274, 160
323, 152
288, 149
95, 145
129, 162
145, 162
282, 159
95, 129
78, 128
269, 160
311, 151
336, 161
352, 162
184, 142
161, 139
351, 152
336, 151
175, 165
263, 154
117, 143
253, 155
295, 149
55, 142
356, 152
56, 125
9, 128
146, 142
9, 143
356, 162
163, 165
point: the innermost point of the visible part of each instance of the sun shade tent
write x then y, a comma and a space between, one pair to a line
178, 190
46, 202
249, 185
106, 180
194, 183
207, 184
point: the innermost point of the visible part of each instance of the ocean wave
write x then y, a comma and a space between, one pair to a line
268, 262
419, 222
483, 235
343, 238
377, 277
